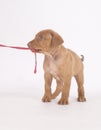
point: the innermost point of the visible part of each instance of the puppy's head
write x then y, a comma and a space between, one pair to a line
45, 41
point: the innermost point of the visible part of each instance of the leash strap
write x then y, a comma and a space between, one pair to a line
23, 48
15, 47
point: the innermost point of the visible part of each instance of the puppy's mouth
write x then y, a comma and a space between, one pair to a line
36, 50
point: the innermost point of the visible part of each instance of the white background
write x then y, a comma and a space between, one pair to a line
79, 23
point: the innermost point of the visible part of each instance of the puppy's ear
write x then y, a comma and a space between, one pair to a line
56, 39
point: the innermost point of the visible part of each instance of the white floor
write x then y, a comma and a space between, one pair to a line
23, 110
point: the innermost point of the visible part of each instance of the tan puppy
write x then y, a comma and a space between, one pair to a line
59, 63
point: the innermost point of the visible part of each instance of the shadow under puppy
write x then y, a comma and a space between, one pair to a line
59, 63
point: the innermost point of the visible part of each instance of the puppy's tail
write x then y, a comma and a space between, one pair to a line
82, 58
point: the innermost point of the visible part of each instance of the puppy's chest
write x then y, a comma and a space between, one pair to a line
51, 66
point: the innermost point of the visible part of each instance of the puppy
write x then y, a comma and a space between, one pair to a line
59, 63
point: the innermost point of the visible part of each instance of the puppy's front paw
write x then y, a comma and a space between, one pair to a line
46, 98
63, 101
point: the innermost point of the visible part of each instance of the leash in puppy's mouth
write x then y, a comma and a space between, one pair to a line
24, 48
35, 68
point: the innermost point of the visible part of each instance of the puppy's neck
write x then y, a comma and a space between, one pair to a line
55, 53
56, 50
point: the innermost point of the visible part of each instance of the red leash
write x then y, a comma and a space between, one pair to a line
23, 48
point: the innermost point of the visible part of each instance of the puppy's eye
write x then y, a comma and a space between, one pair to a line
40, 38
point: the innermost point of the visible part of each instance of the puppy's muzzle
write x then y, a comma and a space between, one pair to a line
33, 48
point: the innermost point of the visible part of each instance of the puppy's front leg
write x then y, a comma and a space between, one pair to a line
48, 80
65, 91
58, 89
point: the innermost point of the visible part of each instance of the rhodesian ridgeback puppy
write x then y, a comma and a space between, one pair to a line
61, 64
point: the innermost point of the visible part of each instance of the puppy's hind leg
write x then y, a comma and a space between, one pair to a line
80, 81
